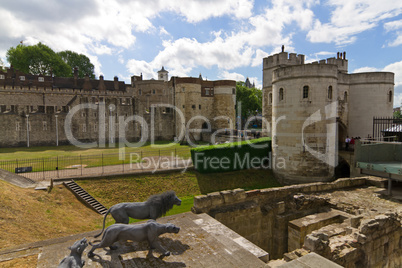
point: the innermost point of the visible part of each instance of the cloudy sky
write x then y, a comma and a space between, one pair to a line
221, 39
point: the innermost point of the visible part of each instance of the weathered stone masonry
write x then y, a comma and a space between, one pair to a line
264, 216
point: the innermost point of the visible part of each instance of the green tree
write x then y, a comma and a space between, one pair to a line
80, 61
37, 59
250, 99
397, 114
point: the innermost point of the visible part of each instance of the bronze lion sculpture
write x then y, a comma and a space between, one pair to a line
155, 207
74, 259
149, 231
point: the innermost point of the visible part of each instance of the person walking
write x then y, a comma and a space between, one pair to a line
347, 141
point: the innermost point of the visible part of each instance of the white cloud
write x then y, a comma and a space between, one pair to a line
259, 55
366, 70
351, 17
397, 27
398, 97
228, 51
138, 67
396, 68
225, 75
319, 56
393, 25
97, 27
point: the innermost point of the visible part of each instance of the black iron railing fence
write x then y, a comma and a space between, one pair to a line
387, 129
39, 169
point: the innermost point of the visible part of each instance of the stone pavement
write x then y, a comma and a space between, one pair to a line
201, 242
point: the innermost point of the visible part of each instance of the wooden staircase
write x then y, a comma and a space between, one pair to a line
85, 197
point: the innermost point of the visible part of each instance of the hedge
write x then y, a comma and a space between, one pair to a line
231, 156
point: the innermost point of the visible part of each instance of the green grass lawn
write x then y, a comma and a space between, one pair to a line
137, 188
48, 158
70, 150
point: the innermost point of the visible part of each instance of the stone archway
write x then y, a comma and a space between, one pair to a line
342, 134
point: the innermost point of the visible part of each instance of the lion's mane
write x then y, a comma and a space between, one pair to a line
162, 202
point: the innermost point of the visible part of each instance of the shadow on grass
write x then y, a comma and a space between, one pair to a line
246, 179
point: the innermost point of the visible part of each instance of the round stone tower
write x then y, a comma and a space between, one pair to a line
304, 122
224, 103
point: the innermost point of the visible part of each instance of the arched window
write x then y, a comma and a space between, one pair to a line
345, 96
270, 98
281, 94
390, 96
330, 92
305, 92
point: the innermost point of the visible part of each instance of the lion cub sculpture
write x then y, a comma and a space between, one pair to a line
74, 259
155, 207
149, 231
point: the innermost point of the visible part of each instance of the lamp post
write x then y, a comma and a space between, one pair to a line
111, 124
27, 130
57, 131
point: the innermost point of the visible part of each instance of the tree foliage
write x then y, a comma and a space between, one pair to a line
80, 61
41, 59
250, 98
397, 114
37, 59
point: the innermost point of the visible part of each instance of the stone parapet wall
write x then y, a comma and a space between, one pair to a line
215, 200
262, 216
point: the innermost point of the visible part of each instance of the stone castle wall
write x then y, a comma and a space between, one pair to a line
262, 216
45, 98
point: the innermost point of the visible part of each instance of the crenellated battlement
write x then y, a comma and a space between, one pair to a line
283, 59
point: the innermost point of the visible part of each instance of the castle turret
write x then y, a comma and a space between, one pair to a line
163, 74
269, 65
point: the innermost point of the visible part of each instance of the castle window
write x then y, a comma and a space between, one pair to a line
281, 94
128, 101
390, 96
305, 92
153, 91
183, 89
41, 79
193, 106
207, 91
95, 128
2, 76
345, 96
139, 92
183, 106
233, 91
44, 124
17, 126
330, 92
199, 106
270, 98
22, 78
